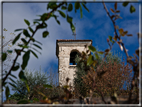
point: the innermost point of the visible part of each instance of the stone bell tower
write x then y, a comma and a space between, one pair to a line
66, 50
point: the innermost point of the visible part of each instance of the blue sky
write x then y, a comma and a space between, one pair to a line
95, 25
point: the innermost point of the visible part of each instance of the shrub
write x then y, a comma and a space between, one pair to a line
116, 74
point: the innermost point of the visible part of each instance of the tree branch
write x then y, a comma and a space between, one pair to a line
134, 64
9, 72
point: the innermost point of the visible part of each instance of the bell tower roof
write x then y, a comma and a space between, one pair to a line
70, 42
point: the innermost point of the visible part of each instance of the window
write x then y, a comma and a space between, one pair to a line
73, 56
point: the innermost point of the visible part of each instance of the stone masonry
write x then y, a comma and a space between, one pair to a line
63, 50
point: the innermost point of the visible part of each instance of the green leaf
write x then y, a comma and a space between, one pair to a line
63, 8
4, 83
4, 29
34, 53
16, 38
23, 102
58, 22
37, 21
7, 92
89, 60
62, 14
24, 41
125, 4
4, 55
85, 7
110, 38
47, 86
81, 11
72, 27
35, 99
97, 56
27, 87
31, 29
37, 46
9, 51
18, 30
132, 9
100, 52
23, 46
44, 25
44, 17
15, 68
12, 85
76, 6
18, 51
12, 80
13, 76
27, 22
70, 7
92, 48
32, 39
56, 19
69, 19
36, 50
22, 76
38, 42
44, 34
51, 5
26, 33
26, 57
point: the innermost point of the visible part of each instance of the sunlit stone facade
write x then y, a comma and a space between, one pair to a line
63, 52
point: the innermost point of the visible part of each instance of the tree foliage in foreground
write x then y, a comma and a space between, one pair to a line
41, 23
26, 35
116, 72
34, 79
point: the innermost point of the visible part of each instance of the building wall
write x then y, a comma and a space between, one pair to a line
65, 69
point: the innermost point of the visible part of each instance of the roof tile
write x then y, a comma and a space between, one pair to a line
71, 40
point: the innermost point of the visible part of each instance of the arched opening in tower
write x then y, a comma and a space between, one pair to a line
73, 55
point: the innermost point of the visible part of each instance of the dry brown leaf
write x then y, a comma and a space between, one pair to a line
129, 35
121, 31
112, 10
115, 38
125, 32
115, 5
137, 52
107, 50
117, 11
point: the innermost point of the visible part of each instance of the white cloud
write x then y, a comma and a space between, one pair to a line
13, 18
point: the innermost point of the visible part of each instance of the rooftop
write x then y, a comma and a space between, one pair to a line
72, 40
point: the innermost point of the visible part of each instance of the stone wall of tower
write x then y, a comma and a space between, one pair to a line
65, 69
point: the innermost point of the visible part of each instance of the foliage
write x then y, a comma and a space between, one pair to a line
7, 49
133, 61
34, 79
116, 72
27, 36
16, 96
89, 61
41, 89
